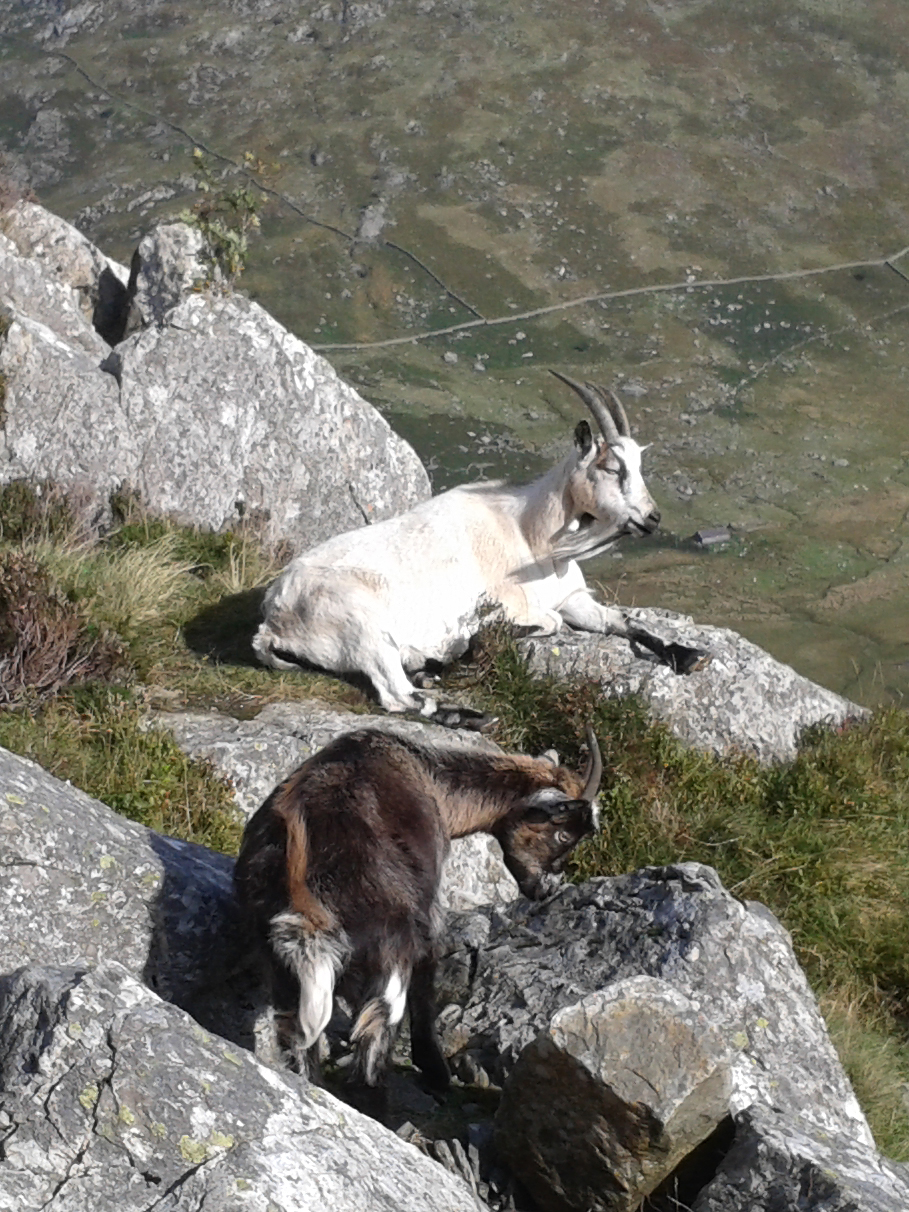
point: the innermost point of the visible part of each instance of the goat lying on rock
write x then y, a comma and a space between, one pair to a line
339, 875
386, 600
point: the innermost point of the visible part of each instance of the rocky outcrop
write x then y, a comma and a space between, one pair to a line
212, 411
743, 700
255, 755
636, 1078
776, 1162
53, 261
113, 1099
541, 998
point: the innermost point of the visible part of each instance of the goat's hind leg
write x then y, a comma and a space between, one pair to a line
425, 1048
384, 669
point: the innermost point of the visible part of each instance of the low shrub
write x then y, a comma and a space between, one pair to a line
46, 641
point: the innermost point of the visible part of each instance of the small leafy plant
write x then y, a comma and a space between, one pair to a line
225, 217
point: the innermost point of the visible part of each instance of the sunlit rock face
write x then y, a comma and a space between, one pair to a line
209, 409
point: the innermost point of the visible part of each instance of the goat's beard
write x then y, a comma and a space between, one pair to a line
588, 539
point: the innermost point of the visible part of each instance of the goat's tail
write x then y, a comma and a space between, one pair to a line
307, 939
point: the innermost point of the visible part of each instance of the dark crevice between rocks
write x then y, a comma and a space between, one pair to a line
111, 310
694, 1172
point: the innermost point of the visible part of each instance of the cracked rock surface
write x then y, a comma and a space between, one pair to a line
510, 970
777, 1162
115, 1099
80, 883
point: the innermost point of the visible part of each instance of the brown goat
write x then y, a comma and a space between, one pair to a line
339, 873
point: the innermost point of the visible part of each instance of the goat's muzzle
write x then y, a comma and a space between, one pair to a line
647, 526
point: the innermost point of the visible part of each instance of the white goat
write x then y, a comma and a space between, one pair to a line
387, 599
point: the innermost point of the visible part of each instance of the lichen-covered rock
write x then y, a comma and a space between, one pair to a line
255, 755
166, 266
743, 700
239, 418
510, 970
602, 1107
63, 257
213, 412
81, 883
111, 1098
778, 1164
32, 355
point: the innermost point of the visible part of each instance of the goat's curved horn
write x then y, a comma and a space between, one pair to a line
594, 771
619, 413
596, 402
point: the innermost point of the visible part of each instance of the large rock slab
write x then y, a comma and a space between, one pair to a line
237, 417
636, 1079
510, 970
83, 884
255, 755
114, 1099
779, 1165
743, 700
213, 411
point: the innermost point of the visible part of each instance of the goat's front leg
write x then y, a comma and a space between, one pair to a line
583, 611
425, 1048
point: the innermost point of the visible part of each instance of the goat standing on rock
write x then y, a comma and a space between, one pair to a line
387, 599
339, 873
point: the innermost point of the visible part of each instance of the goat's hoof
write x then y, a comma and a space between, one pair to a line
464, 717
687, 660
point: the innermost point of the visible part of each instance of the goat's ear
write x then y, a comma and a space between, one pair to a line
583, 438
550, 756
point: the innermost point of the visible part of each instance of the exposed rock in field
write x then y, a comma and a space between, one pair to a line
778, 1162
213, 412
527, 975
255, 755
166, 266
114, 1099
744, 699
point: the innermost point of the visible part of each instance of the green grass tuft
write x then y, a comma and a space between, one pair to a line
94, 736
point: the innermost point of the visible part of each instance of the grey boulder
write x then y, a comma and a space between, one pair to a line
743, 700
111, 1098
777, 1164
635, 1078
528, 976
212, 411
63, 263
81, 884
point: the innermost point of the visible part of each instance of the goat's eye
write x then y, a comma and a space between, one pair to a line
562, 836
